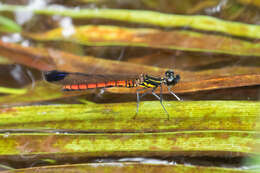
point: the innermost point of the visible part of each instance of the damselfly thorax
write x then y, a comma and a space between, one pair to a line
82, 81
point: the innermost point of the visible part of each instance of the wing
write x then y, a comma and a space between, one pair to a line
66, 78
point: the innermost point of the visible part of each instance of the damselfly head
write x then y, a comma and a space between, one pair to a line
170, 79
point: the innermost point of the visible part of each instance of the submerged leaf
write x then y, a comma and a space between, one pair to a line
128, 167
32, 57
12, 90
43, 91
50, 59
7, 25
5, 60
189, 143
144, 37
198, 115
205, 23
250, 2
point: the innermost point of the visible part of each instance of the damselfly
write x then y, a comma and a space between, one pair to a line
81, 81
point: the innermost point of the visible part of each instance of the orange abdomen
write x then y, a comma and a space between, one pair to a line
120, 83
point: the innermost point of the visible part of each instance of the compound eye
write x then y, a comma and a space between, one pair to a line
169, 73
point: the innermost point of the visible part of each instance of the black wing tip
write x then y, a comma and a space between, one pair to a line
53, 76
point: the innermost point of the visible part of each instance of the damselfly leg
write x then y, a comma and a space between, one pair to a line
139, 97
178, 98
158, 97
161, 99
